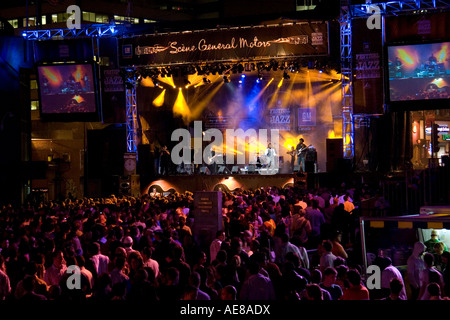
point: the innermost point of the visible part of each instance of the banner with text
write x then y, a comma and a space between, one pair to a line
367, 49
300, 39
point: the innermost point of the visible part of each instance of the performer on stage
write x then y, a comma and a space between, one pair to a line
301, 153
164, 160
258, 161
213, 160
398, 68
270, 156
292, 153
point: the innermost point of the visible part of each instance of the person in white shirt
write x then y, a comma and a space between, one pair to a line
270, 156
390, 272
149, 262
327, 258
99, 260
215, 245
56, 271
85, 272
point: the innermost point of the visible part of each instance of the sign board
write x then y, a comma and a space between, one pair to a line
207, 217
280, 119
278, 40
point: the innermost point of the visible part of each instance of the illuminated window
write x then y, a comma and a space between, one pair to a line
62, 17
54, 18
149, 21
100, 18
88, 16
31, 22
33, 84
34, 105
44, 20
14, 23
303, 5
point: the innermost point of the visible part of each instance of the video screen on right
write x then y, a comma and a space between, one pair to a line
418, 72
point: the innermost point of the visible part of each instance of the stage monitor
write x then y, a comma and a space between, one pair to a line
67, 92
418, 76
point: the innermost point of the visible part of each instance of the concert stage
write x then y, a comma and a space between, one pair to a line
182, 183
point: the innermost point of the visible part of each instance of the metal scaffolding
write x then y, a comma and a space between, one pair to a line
347, 80
348, 12
95, 30
132, 117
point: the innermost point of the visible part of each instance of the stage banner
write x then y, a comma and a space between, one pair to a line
306, 119
113, 96
280, 119
289, 40
419, 27
367, 51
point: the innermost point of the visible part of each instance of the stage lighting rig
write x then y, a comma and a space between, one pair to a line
155, 81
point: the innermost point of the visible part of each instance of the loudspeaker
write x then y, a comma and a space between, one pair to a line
105, 149
125, 185
110, 185
251, 168
309, 166
221, 170
235, 169
344, 165
144, 165
300, 180
135, 186
335, 151
204, 170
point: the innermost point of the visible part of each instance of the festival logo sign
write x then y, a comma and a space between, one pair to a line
280, 119
306, 119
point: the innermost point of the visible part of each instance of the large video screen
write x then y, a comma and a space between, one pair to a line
67, 90
418, 72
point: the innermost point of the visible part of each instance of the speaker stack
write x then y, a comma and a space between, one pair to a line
335, 153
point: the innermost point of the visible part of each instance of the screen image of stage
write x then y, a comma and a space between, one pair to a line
67, 89
418, 71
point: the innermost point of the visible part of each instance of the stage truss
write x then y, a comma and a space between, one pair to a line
348, 12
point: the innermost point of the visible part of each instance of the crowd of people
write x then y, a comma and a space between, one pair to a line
274, 244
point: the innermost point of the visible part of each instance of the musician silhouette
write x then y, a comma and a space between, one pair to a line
301, 153
398, 67
292, 153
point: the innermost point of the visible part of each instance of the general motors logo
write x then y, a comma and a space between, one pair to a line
317, 38
127, 50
